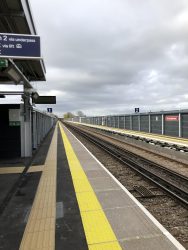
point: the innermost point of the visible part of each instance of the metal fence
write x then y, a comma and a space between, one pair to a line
172, 123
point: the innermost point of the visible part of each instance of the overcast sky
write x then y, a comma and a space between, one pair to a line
110, 56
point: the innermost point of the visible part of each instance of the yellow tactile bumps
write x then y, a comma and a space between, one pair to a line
40, 229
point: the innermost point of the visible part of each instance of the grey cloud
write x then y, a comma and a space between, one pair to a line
101, 55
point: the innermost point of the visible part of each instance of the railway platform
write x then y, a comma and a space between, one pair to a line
179, 141
71, 201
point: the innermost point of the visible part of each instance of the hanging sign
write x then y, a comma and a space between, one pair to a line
19, 46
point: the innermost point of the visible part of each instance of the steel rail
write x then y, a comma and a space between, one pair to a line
163, 183
142, 158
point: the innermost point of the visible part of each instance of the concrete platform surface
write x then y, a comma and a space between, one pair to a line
133, 225
69, 200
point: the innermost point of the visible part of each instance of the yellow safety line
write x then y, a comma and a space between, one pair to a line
40, 229
98, 231
18, 170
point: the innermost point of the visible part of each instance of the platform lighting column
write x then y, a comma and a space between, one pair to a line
162, 124
180, 126
118, 121
124, 122
149, 123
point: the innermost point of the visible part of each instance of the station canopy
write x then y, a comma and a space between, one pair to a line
16, 17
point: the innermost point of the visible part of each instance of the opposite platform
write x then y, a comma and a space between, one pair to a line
150, 136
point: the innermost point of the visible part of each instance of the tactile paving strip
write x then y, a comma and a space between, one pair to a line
40, 229
19, 170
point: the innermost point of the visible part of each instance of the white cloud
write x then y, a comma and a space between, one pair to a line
111, 56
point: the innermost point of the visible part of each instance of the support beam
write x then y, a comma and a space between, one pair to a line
12, 14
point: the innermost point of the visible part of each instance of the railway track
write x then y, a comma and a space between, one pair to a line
173, 183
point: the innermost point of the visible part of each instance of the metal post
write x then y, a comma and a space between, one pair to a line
162, 124
149, 123
139, 122
34, 130
26, 134
180, 127
131, 122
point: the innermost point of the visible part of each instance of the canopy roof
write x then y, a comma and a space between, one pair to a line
16, 17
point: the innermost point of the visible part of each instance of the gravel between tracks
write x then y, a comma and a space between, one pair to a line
167, 211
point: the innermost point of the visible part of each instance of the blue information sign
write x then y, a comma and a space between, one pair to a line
137, 110
19, 46
49, 110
